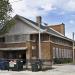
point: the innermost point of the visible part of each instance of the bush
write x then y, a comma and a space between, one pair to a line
62, 60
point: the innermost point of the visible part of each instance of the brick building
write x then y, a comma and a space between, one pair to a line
22, 41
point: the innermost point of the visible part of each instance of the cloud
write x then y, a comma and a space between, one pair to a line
70, 5
68, 34
58, 8
72, 22
30, 8
65, 5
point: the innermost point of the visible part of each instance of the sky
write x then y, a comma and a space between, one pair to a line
51, 11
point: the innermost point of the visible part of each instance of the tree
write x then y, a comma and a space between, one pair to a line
5, 19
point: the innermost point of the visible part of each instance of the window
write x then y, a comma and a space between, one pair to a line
60, 52
17, 38
21, 38
54, 52
70, 53
65, 53
9, 38
2, 39
57, 52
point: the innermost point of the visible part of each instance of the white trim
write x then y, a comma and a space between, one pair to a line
60, 44
16, 34
63, 37
57, 32
34, 32
21, 33
15, 48
14, 42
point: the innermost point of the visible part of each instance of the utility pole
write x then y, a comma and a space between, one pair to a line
39, 43
38, 20
73, 47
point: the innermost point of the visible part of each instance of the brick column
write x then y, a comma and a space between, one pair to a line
46, 54
29, 53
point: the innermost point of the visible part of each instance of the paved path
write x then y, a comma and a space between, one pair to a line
58, 70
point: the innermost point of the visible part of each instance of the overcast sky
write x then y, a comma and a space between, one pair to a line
52, 11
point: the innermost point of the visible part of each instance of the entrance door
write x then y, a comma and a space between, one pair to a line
22, 55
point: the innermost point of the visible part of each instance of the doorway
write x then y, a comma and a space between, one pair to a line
18, 54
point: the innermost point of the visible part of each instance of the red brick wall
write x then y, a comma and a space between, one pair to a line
45, 50
60, 28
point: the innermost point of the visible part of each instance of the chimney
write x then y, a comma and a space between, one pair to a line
60, 28
38, 19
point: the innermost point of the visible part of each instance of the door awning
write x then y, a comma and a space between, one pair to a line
15, 48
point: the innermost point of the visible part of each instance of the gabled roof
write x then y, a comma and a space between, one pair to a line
45, 29
29, 22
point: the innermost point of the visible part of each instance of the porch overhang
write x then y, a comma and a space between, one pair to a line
12, 49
